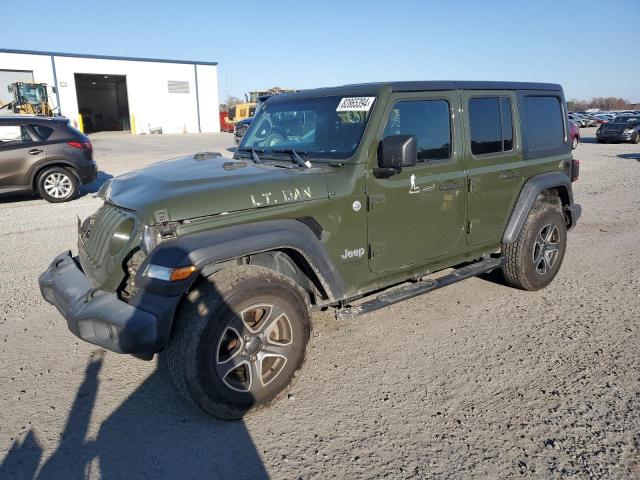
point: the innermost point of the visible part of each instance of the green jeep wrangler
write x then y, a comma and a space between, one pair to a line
350, 197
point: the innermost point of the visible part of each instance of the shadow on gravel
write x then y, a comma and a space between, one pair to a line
630, 156
150, 435
588, 140
494, 276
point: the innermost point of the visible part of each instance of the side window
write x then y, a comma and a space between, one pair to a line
544, 122
14, 135
42, 131
491, 124
429, 121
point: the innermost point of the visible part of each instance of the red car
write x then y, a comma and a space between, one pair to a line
575, 135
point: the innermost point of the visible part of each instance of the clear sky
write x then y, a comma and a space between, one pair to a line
591, 47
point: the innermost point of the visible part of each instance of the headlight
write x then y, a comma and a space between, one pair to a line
629, 131
121, 236
149, 238
169, 274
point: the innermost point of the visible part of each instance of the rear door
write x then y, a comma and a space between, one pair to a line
419, 213
493, 154
20, 148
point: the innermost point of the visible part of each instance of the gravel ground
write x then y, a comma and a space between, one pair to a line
474, 380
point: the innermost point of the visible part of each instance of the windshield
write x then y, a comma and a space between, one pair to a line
329, 127
33, 93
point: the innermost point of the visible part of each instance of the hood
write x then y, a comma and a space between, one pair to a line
201, 185
617, 127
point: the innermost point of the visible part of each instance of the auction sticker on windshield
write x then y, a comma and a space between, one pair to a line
355, 104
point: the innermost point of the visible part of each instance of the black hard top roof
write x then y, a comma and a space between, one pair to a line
419, 86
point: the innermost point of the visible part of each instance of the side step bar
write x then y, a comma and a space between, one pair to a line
396, 295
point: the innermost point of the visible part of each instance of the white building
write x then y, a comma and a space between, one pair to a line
99, 92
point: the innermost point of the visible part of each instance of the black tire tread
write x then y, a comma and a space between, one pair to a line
517, 253
180, 355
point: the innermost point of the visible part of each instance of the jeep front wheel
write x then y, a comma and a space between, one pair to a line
238, 341
533, 260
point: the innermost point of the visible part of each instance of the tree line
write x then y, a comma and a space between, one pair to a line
602, 103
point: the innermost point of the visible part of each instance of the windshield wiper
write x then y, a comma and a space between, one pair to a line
295, 156
254, 154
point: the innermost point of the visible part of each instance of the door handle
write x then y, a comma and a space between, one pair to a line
448, 186
35, 151
509, 175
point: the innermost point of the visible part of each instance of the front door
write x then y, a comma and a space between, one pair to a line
419, 213
494, 161
18, 151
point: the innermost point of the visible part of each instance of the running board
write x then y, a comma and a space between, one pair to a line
396, 295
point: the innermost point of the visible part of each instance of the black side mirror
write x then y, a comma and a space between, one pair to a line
396, 152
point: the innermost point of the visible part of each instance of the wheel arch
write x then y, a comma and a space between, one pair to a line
38, 169
550, 187
288, 247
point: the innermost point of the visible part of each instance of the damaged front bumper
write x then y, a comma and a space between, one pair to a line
100, 317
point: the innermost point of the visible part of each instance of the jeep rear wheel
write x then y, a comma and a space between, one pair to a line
238, 341
533, 260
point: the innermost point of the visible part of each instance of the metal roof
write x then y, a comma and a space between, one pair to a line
105, 57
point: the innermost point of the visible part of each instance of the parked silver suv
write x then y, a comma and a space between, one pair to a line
44, 155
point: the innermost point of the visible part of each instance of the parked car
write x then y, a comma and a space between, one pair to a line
620, 129
579, 121
575, 135
335, 196
589, 119
603, 118
44, 155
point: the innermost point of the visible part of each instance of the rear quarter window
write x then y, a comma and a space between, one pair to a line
43, 132
543, 125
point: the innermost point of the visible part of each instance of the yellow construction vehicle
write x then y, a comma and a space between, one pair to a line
242, 111
29, 99
239, 112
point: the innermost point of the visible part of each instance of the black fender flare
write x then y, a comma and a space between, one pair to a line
528, 196
216, 246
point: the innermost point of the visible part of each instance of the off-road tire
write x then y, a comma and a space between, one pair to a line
46, 189
520, 271
204, 318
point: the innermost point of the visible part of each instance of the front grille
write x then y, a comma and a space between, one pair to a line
94, 241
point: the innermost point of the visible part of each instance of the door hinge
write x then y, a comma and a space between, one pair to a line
469, 185
377, 250
375, 201
469, 226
